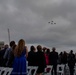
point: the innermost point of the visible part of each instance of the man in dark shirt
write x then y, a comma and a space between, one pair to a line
2, 52
71, 62
32, 56
40, 59
53, 60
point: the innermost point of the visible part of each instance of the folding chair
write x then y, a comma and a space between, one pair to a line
48, 70
75, 69
30, 69
67, 71
1, 69
60, 69
6, 71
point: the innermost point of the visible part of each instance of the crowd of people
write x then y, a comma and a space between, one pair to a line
17, 55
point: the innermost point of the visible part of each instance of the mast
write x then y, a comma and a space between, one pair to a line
9, 35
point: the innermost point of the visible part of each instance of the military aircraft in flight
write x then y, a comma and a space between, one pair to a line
52, 22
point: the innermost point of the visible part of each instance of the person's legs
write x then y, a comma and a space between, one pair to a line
55, 69
40, 70
71, 70
52, 71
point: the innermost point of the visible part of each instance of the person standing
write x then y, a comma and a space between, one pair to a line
53, 60
32, 56
40, 60
2, 52
20, 53
11, 57
6, 55
64, 58
71, 62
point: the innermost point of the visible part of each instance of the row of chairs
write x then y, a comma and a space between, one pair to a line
60, 70
34, 69
7, 71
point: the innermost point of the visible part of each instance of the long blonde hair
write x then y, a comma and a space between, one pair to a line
20, 47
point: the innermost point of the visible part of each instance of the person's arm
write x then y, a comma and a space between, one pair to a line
26, 51
6, 53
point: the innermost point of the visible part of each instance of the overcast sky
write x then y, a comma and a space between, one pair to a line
28, 19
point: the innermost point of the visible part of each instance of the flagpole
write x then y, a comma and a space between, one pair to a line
9, 35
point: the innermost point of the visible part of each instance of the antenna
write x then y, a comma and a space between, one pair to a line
8, 35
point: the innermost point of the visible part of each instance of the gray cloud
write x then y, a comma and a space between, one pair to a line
28, 19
